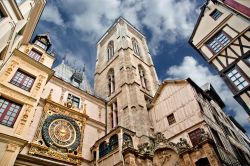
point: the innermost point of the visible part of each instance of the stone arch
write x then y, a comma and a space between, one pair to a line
113, 142
202, 162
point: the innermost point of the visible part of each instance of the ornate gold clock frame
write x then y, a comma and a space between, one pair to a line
59, 134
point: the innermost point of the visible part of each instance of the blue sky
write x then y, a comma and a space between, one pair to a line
76, 25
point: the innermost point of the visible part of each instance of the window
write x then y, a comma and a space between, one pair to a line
113, 142
195, 136
8, 112
42, 45
237, 79
135, 47
142, 77
1, 15
19, 1
114, 114
22, 80
35, 55
111, 81
171, 119
215, 14
247, 60
218, 42
110, 50
75, 100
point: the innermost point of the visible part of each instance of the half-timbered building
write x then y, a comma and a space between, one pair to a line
222, 37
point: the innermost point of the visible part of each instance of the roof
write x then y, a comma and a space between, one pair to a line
74, 77
46, 35
208, 90
115, 23
203, 7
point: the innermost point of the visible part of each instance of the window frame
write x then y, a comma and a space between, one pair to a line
110, 50
212, 14
239, 71
35, 53
21, 84
194, 137
42, 44
73, 100
214, 38
4, 14
6, 110
136, 47
171, 119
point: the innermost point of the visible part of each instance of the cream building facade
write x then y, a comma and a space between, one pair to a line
18, 19
53, 117
222, 37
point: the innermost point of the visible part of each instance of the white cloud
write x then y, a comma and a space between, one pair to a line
168, 20
201, 75
52, 14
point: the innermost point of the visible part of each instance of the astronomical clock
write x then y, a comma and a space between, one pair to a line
59, 134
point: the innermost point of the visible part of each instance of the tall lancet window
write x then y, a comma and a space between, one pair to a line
142, 76
110, 50
111, 81
135, 47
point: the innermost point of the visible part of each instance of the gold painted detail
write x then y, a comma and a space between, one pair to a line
11, 67
23, 121
12, 147
47, 152
39, 82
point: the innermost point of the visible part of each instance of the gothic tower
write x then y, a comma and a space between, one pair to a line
125, 76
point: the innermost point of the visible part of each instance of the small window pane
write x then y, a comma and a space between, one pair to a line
218, 42
237, 79
35, 55
22, 80
9, 113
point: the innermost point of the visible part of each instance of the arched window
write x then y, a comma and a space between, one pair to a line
111, 81
113, 142
110, 50
135, 46
127, 140
103, 149
142, 77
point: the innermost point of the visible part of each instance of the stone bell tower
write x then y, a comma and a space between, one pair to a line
125, 76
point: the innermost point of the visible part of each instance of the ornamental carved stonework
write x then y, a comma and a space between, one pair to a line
23, 120
59, 133
11, 67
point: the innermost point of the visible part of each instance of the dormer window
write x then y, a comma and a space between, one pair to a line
40, 44
43, 41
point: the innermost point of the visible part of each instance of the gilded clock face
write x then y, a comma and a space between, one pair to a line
61, 131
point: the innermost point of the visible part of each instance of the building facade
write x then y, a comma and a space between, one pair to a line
18, 19
53, 117
221, 36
